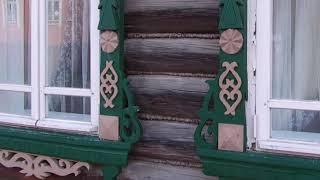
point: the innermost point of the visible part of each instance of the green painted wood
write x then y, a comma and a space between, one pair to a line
242, 165
232, 16
259, 166
112, 19
111, 155
68, 146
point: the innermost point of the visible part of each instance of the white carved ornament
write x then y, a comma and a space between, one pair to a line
109, 41
225, 84
40, 166
108, 88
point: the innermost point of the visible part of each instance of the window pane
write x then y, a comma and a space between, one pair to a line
295, 124
15, 64
296, 50
18, 103
68, 108
68, 48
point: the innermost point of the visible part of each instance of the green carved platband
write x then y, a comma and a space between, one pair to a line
225, 100
112, 20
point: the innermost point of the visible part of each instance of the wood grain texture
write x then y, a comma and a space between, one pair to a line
169, 97
167, 132
180, 152
140, 170
186, 55
172, 16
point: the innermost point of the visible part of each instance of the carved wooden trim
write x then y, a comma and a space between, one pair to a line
109, 41
40, 166
231, 41
108, 88
225, 84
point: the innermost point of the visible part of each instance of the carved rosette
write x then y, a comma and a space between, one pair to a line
230, 90
40, 166
231, 41
108, 88
109, 41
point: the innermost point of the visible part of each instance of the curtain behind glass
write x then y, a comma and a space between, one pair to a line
68, 55
15, 63
296, 62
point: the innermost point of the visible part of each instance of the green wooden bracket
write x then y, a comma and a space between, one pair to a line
116, 100
224, 102
115, 89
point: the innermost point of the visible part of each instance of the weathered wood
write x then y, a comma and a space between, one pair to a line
181, 152
167, 131
172, 16
138, 170
194, 56
169, 97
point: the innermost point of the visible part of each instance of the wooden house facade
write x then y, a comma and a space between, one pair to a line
159, 89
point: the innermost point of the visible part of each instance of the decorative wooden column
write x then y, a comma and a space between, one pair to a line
222, 114
118, 114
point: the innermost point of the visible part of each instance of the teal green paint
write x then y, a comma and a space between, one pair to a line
112, 18
247, 165
230, 17
212, 110
111, 155
258, 166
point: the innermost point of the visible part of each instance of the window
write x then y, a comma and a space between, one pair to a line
12, 11
288, 79
53, 7
49, 75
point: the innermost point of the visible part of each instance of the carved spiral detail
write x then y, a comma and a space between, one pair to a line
40, 166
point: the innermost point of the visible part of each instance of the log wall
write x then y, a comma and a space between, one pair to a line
171, 50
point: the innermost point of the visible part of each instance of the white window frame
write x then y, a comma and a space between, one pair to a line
38, 89
264, 102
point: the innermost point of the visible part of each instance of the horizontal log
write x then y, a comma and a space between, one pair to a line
169, 97
165, 55
172, 16
183, 153
138, 170
166, 132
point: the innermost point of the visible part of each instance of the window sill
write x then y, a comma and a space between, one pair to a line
110, 155
289, 147
258, 165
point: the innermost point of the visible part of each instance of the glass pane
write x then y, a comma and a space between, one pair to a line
18, 103
15, 64
295, 124
68, 45
296, 50
68, 108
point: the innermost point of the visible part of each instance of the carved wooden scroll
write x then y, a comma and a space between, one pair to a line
40, 166
108, 87
226, 84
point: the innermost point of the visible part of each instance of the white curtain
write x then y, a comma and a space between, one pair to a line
296, 62
69, 58
14, 54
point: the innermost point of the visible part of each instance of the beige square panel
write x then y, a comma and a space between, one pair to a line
109, 127
230, 137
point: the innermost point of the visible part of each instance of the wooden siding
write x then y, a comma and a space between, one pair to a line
171, 50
